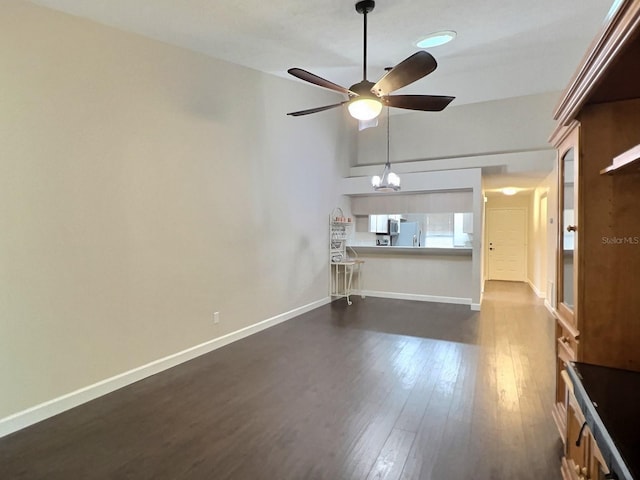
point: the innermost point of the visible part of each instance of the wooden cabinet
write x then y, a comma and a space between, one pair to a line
583, 459
598, 220
602, 426
576, 455
598, 267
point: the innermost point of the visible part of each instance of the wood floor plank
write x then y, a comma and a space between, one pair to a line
390, 462
384, 388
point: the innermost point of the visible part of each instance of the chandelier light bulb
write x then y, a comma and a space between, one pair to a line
393, 179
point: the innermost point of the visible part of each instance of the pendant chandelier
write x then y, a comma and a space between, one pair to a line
388, 181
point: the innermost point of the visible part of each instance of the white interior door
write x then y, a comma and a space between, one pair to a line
506, 244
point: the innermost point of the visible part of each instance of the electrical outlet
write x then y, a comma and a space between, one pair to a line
216, 317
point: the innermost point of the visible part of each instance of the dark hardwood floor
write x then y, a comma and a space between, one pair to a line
383, 389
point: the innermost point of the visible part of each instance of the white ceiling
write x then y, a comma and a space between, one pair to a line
504, 48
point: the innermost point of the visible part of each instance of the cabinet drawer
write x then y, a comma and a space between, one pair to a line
566, 349
568, 341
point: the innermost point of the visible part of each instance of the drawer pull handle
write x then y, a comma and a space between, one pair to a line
580, 434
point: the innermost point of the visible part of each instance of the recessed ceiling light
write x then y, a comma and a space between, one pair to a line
436, 38
509, 191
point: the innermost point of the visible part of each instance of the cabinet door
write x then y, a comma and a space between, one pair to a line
577, 446
567, 269
372, 223
467, 222
379, 223
559, 411
598, 469
383, 223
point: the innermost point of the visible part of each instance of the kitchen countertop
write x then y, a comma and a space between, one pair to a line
411, 250
610, 399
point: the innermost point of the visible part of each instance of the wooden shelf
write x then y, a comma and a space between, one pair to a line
627, 162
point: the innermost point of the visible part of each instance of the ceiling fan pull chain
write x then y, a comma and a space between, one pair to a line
388, 134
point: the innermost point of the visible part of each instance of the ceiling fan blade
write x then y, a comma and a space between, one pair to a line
425, 103
413, 68
317, 109
316, 80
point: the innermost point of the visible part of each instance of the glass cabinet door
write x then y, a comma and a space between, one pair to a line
567, 235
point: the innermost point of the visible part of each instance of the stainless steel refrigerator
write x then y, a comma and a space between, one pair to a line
409, 235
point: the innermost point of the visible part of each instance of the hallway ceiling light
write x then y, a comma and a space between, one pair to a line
510, 190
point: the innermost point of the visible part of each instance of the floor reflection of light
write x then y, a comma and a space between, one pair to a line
409, 362
506, 383
450, 357
412, 359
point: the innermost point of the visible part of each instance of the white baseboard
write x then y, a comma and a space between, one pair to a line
476, 306
535, 290
552, 310
418, 297
70, 400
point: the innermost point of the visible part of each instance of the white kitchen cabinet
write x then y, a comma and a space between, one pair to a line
379, 223
467, 222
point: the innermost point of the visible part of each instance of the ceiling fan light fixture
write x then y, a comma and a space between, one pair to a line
436, 39
367, 98
363, 108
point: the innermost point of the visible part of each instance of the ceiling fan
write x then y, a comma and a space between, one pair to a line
366, 99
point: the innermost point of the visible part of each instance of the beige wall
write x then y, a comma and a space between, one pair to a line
543, 271
511, 125
407, 275
519, 200
142, 188
540, 231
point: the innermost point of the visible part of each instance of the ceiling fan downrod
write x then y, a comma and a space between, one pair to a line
364, 7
